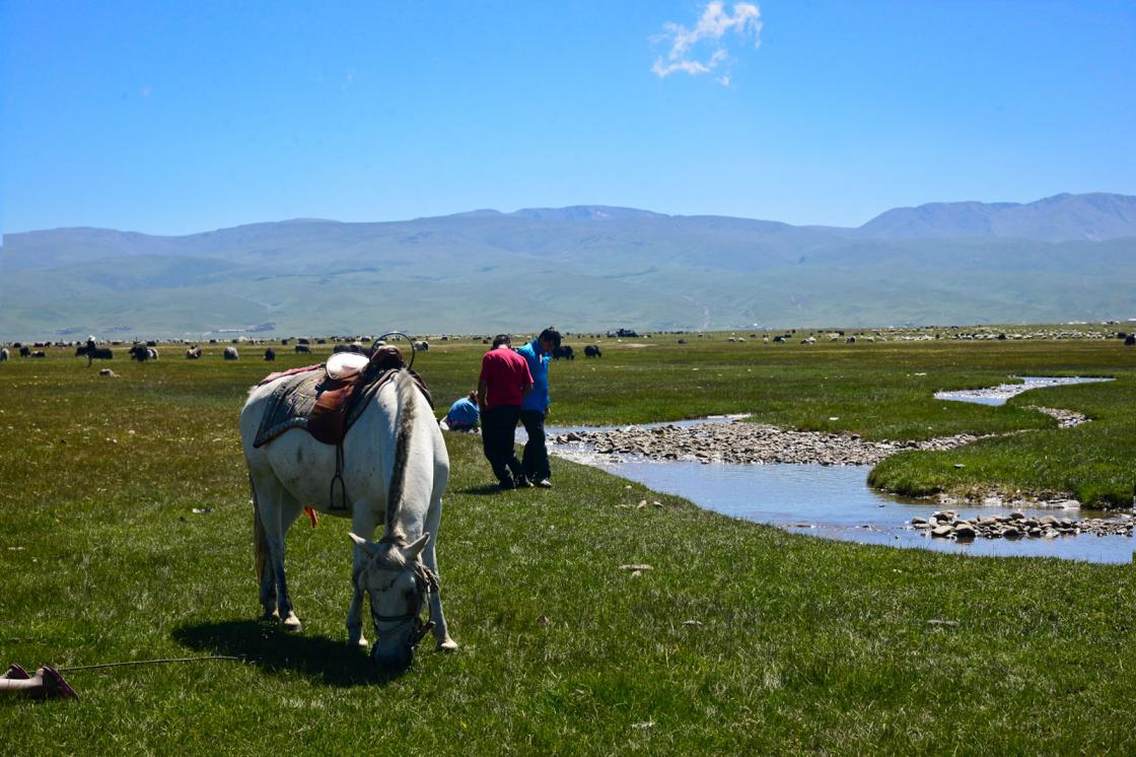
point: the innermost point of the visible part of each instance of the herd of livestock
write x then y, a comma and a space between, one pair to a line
147, 351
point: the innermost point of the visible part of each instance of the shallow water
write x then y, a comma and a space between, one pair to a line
831, 502
998, 395
835, 502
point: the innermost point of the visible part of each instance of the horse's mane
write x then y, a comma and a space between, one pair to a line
404, 423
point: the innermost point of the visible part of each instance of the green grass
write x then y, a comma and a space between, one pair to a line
803, 644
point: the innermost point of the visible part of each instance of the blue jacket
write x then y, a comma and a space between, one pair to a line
538, 362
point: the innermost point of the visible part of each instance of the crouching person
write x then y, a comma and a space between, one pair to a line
464, 415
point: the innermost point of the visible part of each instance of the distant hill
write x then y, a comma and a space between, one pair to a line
1060, 218
585, 267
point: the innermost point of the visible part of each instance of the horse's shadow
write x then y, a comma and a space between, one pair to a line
270, 648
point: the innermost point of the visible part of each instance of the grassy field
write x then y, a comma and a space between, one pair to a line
741, 639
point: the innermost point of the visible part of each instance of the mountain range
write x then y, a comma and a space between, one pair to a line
1067, 257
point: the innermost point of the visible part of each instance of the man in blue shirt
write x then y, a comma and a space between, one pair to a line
534, 407
464, 414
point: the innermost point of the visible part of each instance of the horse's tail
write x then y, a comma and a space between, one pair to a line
259, 538
405, 388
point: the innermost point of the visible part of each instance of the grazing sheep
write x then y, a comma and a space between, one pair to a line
4, 354
193, 353
303, 348
231, 354
592, 350
270, 354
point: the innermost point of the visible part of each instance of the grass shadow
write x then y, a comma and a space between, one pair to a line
270, 648
480, 490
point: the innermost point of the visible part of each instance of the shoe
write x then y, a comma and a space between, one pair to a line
16, 673
544, 483
54, 685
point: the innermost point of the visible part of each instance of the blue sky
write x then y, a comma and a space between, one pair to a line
177, 117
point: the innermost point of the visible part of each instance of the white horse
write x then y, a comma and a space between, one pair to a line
395, 468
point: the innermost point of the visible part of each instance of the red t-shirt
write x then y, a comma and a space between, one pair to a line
506, 376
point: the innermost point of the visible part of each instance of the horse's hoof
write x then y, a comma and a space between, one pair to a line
293, 624
270, 616
362, 642
449, 645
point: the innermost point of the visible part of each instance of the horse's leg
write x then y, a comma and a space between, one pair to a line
278, 510
264, 512
362, 524
430, 558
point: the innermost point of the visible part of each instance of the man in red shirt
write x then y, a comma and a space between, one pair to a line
505, 380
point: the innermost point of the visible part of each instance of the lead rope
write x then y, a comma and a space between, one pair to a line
338, 477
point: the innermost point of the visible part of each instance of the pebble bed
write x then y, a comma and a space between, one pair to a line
740, 442
947, 525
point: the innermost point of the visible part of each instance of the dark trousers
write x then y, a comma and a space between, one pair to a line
535, 459
497, 427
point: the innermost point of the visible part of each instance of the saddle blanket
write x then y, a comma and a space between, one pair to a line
326, 408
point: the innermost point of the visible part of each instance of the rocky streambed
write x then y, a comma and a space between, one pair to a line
1018, 525
740, 442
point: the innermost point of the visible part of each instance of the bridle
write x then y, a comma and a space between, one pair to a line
425, 582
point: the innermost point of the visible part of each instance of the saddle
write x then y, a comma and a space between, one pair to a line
326, 399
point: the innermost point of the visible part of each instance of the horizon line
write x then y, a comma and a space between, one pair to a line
474, 211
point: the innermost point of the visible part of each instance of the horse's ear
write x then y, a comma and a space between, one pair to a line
368, 547
414, 548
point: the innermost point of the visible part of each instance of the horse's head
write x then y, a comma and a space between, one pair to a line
397, 583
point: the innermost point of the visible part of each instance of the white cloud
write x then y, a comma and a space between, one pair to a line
701, 50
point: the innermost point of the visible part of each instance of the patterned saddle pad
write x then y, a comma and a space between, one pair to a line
324, 407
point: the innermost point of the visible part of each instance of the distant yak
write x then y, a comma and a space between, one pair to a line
142, 353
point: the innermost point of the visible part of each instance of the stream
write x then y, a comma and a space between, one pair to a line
834, 501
